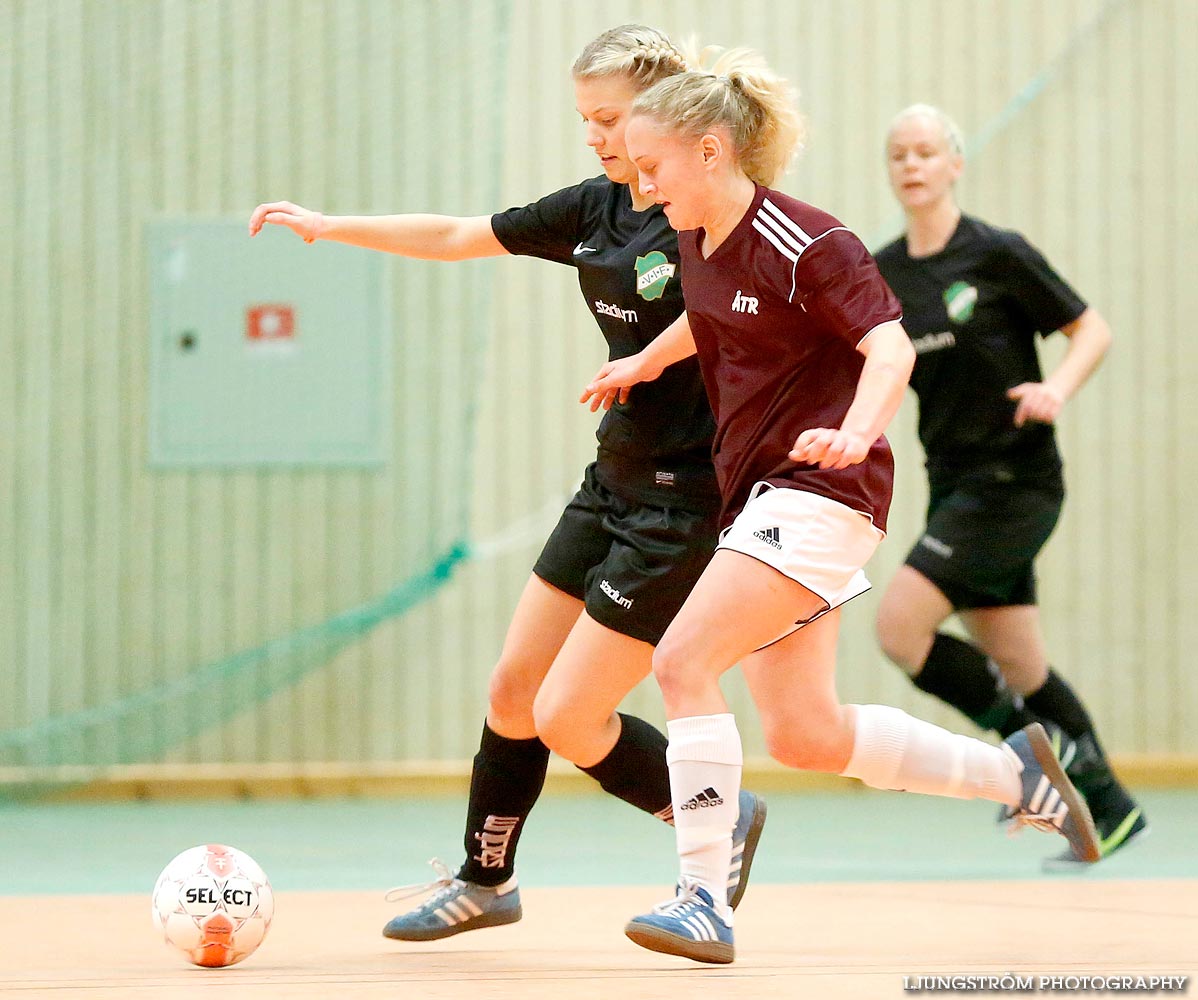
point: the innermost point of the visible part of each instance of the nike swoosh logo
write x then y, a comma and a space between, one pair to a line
580, 249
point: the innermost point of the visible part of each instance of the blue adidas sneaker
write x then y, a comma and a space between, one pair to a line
455, 906
1065, 751
744, 844
1050, 802
687, 926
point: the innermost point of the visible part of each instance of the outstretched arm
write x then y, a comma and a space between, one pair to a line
1089, 339
427, 237
889, 358
615, 378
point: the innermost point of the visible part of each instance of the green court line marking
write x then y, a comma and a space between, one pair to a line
359, 844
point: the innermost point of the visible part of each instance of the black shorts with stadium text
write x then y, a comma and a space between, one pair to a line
983, 535
632, 564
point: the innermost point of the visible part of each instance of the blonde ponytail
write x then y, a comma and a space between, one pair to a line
739, 93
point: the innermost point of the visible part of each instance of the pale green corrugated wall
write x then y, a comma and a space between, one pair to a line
111, 576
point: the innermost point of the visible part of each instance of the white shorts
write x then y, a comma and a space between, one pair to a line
817, 542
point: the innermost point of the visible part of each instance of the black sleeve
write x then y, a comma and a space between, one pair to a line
1047, 300
887, 259
548, 228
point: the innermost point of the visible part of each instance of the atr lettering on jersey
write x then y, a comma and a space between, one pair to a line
934, 341
607, 309
744, 303
653, 273
610, 591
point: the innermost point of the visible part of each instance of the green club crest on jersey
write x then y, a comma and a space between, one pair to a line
959, 299
653, 273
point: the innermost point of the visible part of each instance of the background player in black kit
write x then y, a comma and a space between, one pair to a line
974, 299
631, 543
806, 362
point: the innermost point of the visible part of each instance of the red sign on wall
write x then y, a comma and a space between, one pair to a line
270, 323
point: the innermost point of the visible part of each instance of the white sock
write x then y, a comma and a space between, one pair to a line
705, 759
894, 750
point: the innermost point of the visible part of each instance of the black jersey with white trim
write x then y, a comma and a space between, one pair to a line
973, 311
657, 446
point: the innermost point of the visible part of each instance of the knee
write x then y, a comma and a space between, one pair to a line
565, 728
819, 744
671, 663
552, 720
1023, 674
904, 643
511, 693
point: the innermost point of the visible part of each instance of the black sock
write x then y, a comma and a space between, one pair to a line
636, 769
506, 781
1055, 701
962, 676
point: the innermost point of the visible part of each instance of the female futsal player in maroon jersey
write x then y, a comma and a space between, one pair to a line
805, 361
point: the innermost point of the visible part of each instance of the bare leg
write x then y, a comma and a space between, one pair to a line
575, 709
1012, 638
540, 624
911, 610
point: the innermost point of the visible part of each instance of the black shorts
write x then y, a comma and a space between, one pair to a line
632, 564
983, 537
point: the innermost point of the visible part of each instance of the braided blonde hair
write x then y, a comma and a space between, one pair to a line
740, 93
644, 55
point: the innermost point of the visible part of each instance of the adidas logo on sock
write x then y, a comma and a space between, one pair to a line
769, 536
704, 800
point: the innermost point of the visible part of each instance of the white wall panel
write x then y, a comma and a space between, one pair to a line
114, 577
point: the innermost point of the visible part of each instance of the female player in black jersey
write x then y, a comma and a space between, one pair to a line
806, 362
974, 298
631, 543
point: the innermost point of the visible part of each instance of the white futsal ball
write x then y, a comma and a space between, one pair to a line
214, 904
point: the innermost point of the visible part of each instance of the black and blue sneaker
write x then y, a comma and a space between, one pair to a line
1131, 829
1050, 802
1117, 816
687, 925
745, 836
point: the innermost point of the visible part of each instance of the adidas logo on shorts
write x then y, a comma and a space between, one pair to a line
770, 536
704, 800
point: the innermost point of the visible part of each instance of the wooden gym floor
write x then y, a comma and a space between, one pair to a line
851, 893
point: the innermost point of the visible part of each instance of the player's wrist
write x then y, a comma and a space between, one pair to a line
1062, 392
316, 228
863, 435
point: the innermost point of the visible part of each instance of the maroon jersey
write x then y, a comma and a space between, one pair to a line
777, 311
